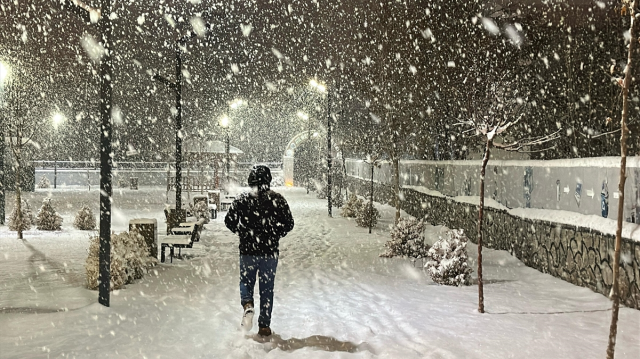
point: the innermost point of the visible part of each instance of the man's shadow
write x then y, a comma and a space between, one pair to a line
320, 342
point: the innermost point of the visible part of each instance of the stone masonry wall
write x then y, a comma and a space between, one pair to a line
578, 255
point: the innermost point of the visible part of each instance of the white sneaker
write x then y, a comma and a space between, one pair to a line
247, 317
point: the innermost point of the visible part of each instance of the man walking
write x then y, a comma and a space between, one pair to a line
260, 217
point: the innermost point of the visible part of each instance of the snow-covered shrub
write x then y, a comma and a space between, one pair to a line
321, 191
48, 219
447, 262
85, 220
367, 215
407, 239
123, 183
352, 207
200, 210
129, 260
27, 217
337, 200
44, 182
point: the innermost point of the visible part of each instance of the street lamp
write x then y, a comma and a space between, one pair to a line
224, 123
322, 88
5, 71
57, 119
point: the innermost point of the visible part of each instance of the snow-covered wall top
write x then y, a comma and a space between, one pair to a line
585, 185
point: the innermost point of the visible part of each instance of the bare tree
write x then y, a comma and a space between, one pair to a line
495, 105
631, 8
21, 125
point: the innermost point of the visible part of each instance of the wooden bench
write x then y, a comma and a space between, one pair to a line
182, 237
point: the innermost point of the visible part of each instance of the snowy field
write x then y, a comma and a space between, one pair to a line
334, 297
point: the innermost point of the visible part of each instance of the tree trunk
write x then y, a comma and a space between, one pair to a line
615, 290
485, 160
371, 199
396, 185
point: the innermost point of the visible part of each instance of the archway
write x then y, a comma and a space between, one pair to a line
289, 159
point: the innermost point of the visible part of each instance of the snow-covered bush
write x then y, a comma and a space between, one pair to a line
129, 260
447, 262
85, 220
200, 210
337, 200
27, 217
321, 191
367, 215
48, 219
44, 182
352, 207
407, 239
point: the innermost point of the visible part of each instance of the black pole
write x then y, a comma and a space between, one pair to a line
308, 155
371, 199
2, 149
329, 152
178, 89
106, 76
55, 172
228, 148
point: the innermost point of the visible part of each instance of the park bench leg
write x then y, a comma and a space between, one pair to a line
171, 253
162, 253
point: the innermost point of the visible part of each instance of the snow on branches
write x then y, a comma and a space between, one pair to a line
129, 260
44, 182
407, 239
367, 216
447, 262
85, 220
352, 207
23, 222
48, 219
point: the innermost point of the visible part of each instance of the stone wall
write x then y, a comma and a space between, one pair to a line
578, 255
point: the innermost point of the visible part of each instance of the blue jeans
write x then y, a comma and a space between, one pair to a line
265, 268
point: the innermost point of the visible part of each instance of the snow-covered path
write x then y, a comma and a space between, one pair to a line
334, 297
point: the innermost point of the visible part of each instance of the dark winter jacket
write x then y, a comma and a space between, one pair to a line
260, 219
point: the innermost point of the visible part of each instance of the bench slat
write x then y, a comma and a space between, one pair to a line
175, 239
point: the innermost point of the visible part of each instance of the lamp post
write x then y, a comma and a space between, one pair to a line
57, 120
4, 75
321, 88
224, 123
177, 87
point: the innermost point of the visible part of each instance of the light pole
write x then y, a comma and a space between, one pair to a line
4, 75
224, 123
57, 120
321, 88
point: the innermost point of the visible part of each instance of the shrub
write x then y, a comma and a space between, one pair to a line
407, 239
85, 220
336, 199
367, 215
447, 262
48, 219
27, 217
352, 207
44, 182
129, 260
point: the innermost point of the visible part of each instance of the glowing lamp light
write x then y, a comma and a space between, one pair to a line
4, 72
57, 119
224, 121
303, 115
237, 103
320, 87
288, 184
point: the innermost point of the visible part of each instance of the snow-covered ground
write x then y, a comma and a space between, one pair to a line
334, 297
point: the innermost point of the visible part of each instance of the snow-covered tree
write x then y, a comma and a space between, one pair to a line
85, 220
22, 222
407, 239
352, 207
44, 182
447, 262
367, 216
48, 219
